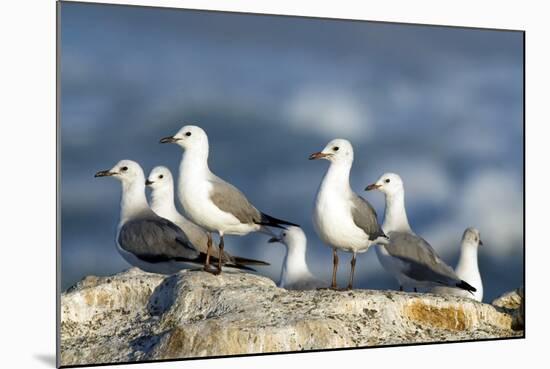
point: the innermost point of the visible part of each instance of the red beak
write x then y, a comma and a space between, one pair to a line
373, 186
317, 155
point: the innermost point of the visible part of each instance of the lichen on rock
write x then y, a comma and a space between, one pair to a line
135, 316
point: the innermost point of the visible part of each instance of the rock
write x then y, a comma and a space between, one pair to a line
513, 303
141, 316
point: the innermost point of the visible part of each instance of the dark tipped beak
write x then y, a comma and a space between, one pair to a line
317, 155
480, 242
168, 140
274, 239
148, 182
104, 173
371, 187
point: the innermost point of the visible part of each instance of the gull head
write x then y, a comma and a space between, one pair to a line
292, 237
472, 236
126, 171
188, 137
159, 178
337, 151
388, 183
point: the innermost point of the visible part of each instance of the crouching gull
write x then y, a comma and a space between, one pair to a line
143, 238
295, 274
209, 201
343, 219
412, 261
161, 183
467, 267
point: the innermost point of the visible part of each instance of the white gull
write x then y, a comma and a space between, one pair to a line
143, 238
411, 260
161, 183
295, 274
343, 220
209, 201
467, 267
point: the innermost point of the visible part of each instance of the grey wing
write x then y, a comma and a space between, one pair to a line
423, 264
364, 216
195, 234
156, 240
228, 198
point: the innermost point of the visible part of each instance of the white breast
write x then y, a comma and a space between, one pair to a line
472, 277
334, 223
306, 282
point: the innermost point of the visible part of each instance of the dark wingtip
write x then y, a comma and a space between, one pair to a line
466, 286
246, 261
269, 224
375, 236
268, 220
240, 266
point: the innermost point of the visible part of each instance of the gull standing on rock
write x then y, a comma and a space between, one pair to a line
412, 261
143, 238
161, 183
467, 267
295, 274
209, 201
343, 219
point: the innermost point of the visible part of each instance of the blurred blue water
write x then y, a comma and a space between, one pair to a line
441, 106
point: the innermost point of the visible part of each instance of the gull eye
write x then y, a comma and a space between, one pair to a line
188, 134
284, 234
335, 148
124, 169
161, 176
387, 180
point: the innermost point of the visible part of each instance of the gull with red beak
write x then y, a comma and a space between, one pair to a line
407, 256
343, 220
143, 238
161, 183
467, 267
210, 202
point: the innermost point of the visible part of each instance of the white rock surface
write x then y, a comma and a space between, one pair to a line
140, 316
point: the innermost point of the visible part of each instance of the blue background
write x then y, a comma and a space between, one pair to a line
440, 106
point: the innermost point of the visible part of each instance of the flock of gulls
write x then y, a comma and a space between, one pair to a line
157, 238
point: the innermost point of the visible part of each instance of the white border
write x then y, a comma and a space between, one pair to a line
28, 181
